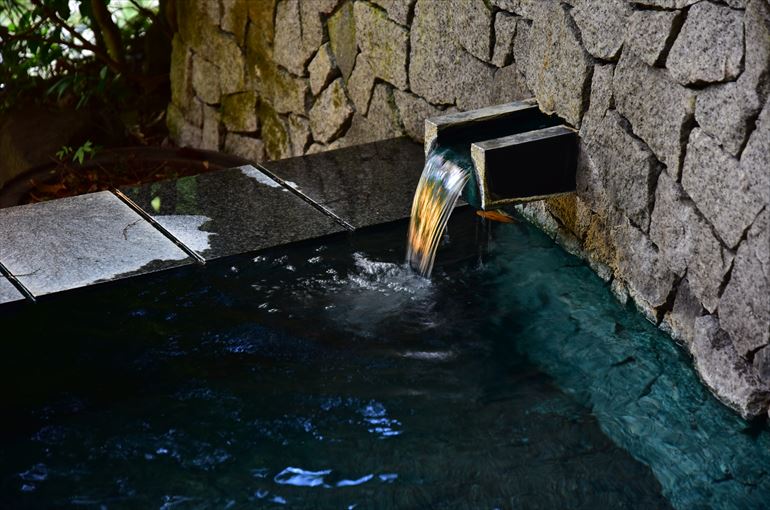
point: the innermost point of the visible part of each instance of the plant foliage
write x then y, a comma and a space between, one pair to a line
78, 48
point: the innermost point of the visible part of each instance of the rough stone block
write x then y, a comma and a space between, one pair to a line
235, 14
590, 181
755, 160
252, 149
317, 148
194, 112
398, 10
762, 364
239, 111
507, 84
725, 111
380, 123
299, 134
287, 93
180, 73
629, 169
361, 84
470, 23
324, 6
210, 130
261, 16
728, 375
274, 132
602, 25
220, 48
205, 80
298, 34
709, 47
384, 43
558, 68
505, 32
601, 98
530, 9
322, 69
342, 38
650, 33
330, 112
659, 109
667, 4
744, 309
312, 26
182, 132
202, 21
681, 319
440, 69
638, 262
687, 243
414, 110
728, 194
521, 45
290, 50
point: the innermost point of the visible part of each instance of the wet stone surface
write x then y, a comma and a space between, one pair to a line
79, 241
362, 185
8, 292
229, 212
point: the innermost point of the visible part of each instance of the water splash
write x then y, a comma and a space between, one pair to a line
440, 186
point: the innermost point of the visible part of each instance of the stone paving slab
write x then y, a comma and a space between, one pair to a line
8, 292
78, 241
232, 211
363, 185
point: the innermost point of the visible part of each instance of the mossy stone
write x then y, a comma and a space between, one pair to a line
274, 132
342, 38
239, 111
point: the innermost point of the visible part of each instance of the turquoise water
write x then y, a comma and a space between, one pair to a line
325, 375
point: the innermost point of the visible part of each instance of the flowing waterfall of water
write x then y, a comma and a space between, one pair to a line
440, 186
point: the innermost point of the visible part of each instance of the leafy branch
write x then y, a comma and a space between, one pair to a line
77, 155
44, 40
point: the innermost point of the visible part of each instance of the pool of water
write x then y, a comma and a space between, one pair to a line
325, 375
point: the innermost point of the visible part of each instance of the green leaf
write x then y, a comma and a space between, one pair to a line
63, 152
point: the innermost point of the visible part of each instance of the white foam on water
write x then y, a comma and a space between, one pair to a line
438, 356
299, 477
352, 483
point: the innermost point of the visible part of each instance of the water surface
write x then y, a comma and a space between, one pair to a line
326, 375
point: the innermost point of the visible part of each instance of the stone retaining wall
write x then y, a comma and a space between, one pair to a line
670, 97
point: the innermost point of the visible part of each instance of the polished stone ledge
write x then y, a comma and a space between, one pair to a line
79, 241
8, 293
231, 212
362, 185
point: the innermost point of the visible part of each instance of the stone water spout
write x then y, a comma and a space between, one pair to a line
513, 152
494, 156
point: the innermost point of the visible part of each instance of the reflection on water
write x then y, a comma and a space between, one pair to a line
329, 376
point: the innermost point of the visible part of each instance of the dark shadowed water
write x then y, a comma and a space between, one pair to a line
325, 375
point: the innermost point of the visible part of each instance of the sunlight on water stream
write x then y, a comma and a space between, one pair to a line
440, 186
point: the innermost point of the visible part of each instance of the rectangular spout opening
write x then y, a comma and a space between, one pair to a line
513, 152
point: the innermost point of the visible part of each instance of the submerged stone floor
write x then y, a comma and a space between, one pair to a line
80, 241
